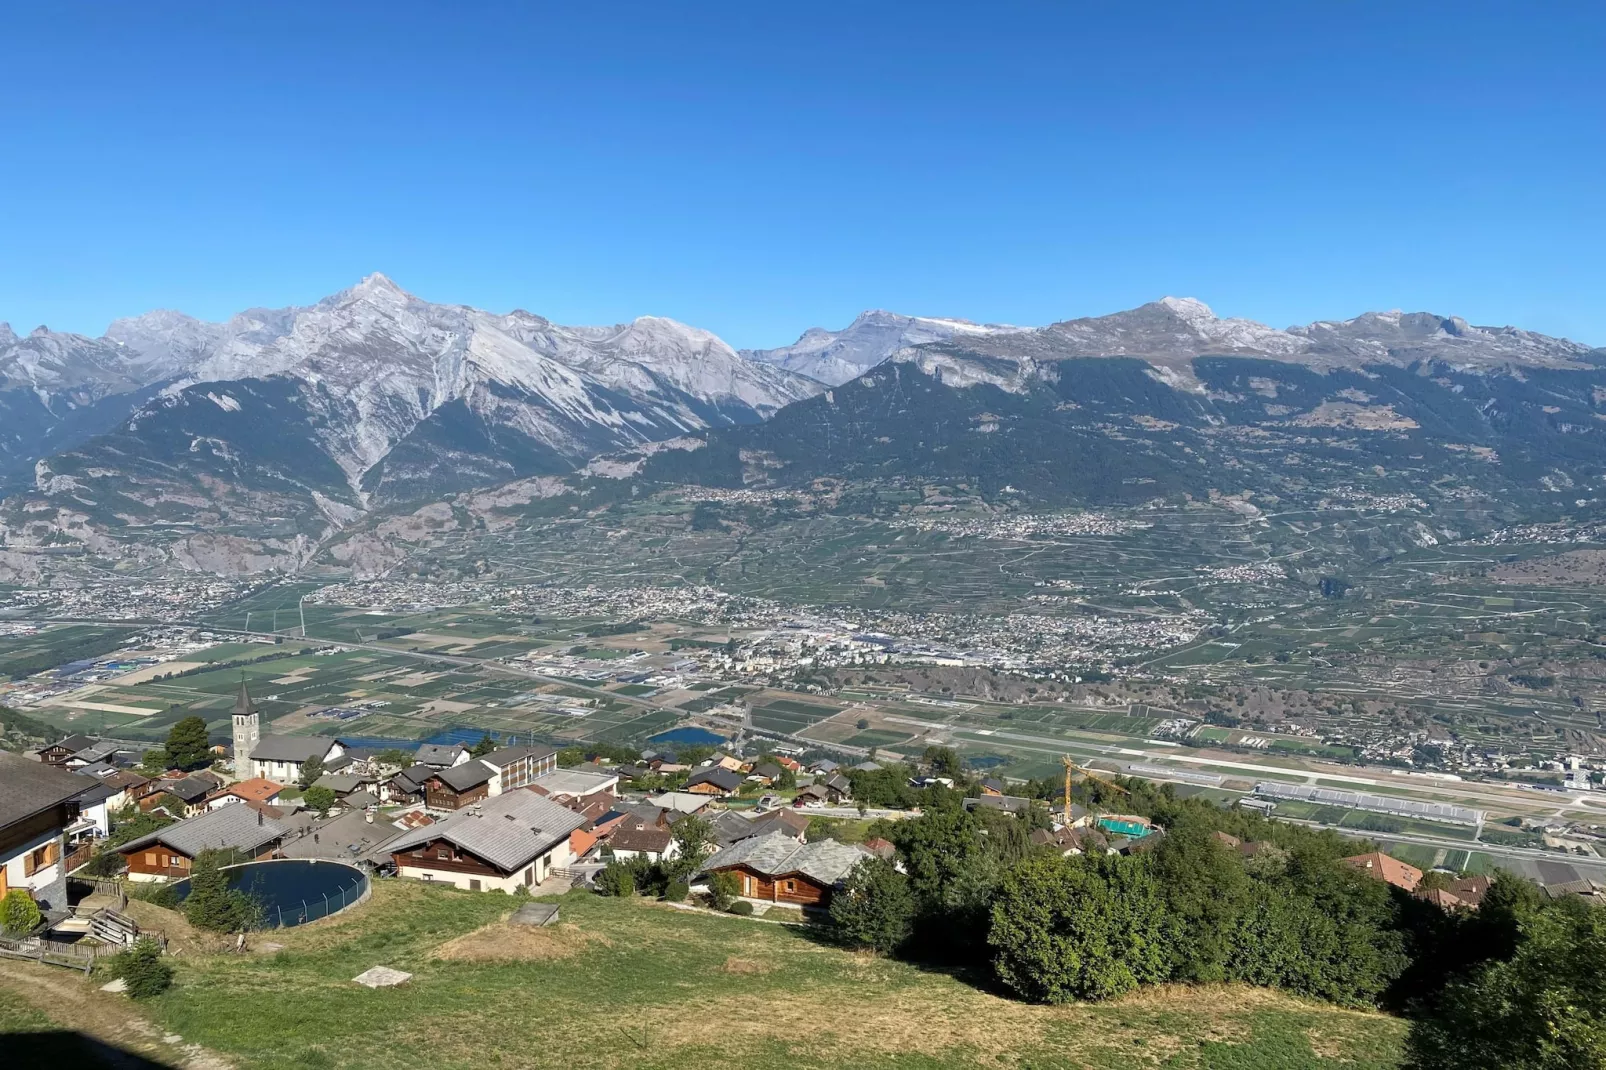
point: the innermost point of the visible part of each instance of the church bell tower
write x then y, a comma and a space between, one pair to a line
247, 732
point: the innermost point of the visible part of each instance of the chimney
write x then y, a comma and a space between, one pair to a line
259, 817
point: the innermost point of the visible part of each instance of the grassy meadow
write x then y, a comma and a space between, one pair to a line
636, 984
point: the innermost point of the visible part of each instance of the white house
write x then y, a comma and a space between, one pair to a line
499, 844
38, 803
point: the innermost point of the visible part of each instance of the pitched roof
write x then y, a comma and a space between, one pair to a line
768, 770
1385, 868
778, 855
193, 787
340, 783
291, 748
72, 744
628, 837
1470, 890
411, 779
123, 779
501, 759
463, 777
241, 827
723, 779
505, 830
439, 754
257, 789
98, 752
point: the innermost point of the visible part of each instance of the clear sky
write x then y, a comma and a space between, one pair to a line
757, 168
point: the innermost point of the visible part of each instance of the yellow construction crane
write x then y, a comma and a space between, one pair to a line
1070, 767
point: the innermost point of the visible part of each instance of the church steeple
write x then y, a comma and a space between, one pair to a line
247, 732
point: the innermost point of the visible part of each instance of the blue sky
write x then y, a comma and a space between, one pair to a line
760, 168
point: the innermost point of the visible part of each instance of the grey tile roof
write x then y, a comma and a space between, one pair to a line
191, 788
98, 752
334, 838
340, 783
235, 826
412, 778
465, 776
74, 743
777, 855
723, 779
291, 748
501, 759
505, 830
437, 754
95, 793
28, 787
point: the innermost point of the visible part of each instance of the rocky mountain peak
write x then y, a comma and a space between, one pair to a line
7, 335
1190, 309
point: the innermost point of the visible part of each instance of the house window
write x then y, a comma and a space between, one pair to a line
39, 858
791, 886
443, 853
473, 886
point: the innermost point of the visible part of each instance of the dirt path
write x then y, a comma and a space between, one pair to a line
77, 1005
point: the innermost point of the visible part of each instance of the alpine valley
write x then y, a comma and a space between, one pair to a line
293, 439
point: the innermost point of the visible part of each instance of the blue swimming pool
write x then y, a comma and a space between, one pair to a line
1125, 828
294, 891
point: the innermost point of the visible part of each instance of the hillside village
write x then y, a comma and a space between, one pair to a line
751, 833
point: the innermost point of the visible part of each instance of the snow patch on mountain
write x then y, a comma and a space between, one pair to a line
836, 357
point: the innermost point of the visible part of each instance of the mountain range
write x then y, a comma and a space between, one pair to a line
280, 428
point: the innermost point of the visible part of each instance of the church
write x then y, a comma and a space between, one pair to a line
277, 758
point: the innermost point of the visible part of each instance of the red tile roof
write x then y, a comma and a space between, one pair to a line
1384, 868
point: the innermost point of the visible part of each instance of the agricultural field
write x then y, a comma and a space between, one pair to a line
676, 990
56, 645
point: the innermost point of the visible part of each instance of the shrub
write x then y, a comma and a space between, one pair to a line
19, 913
742, 907
143, 969
617, 878
677, 892
723, 888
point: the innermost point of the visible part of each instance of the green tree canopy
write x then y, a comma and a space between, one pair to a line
311, 770
485, 746
212, 904
874, 908
1544, 1008
1079, 928
187, 747
319, 799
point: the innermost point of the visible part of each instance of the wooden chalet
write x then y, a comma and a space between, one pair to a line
457, 787
169, 853
62, 751
776, 868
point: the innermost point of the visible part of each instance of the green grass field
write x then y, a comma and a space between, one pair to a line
634, 984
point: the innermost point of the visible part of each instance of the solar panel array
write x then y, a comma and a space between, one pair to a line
1382, 804
1187, 776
